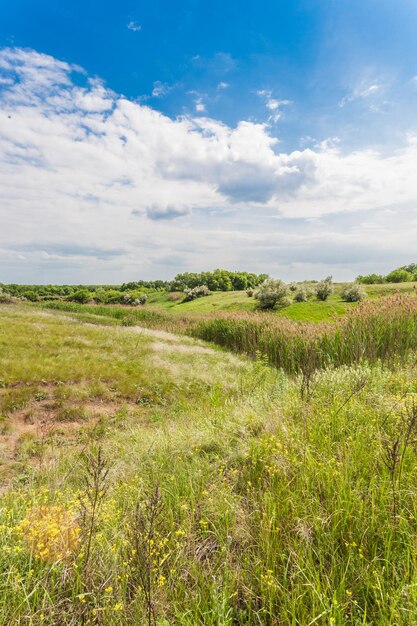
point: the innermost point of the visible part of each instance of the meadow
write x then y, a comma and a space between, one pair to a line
149, 477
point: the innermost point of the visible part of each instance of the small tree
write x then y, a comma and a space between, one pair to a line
273, 293
324, 288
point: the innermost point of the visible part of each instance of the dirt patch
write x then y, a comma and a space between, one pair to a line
42, 419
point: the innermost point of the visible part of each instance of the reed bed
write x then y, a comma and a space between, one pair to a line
375, 330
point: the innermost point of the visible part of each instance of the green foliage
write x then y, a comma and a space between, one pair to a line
403, 274
324, 289
82, 296
353, 293
398, 276
218, 280
370, 279
273, 293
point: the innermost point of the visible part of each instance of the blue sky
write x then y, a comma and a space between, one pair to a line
141, 139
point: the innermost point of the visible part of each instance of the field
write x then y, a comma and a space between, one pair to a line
151, 478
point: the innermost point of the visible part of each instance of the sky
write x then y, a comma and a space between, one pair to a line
143, 139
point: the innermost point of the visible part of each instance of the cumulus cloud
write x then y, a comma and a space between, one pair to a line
86, 174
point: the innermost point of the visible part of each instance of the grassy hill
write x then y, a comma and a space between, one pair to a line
149, 478
313, 310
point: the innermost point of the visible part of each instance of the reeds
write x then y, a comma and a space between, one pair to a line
375, 330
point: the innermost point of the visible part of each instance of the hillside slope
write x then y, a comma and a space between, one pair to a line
148, 478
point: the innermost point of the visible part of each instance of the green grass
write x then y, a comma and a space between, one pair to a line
277, 508
312, 311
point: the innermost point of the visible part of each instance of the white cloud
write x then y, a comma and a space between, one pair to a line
222, 85
272, 104
363, 91
160, 89
134, 25
86, 174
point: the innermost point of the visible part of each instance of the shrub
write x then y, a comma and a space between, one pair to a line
197, 292
100, 296
293, 286
353, 293
5, 298
250, 293
113, 296
302, 295
324, 288
273, 293
82, 296
32, 296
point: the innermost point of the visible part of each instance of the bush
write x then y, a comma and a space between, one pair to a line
32, 296
82, 296
371, 279
273, 293
250, 293
197, 292
302, 295
5, 298
353, 293
399, 276
293, 286
324, 289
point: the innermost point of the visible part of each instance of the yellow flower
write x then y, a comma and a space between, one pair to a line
50, 532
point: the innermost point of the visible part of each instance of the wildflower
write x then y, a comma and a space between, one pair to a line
50, 532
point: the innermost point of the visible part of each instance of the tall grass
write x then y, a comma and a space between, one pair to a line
234, 503
374, 330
